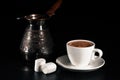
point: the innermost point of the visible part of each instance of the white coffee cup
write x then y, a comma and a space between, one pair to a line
80, 52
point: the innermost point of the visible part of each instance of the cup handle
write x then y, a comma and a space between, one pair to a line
100, 53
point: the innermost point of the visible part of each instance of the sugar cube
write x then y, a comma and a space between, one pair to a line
38, 63
48, 68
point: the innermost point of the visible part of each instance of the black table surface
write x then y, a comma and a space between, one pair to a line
12, 69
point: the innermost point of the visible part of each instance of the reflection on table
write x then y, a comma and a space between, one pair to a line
63, 74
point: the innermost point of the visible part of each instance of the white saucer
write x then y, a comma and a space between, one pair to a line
64, 62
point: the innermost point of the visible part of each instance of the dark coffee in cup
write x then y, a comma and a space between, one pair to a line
80, 44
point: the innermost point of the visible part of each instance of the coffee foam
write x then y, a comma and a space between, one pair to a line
80, 44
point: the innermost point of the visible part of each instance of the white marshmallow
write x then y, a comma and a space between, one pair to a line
38, 63
48, 68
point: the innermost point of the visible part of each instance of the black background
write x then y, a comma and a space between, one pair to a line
96, 21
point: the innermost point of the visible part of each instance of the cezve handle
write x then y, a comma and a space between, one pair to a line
51, 11
55, 6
